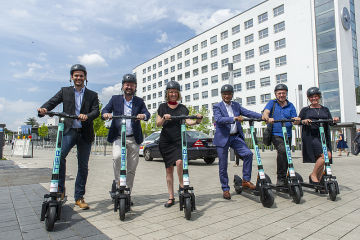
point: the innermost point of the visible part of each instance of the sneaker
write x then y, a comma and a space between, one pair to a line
82, 204
280, 182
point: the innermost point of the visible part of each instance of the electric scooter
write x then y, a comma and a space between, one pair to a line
293, 179
186, 193
121, 195
51, 207
263, 188
328, 182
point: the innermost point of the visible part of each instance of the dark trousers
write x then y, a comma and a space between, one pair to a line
357, 149
281, 160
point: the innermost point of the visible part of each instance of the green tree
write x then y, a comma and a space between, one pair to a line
99, 124
205, 124
32, 121
43, 131
149, 127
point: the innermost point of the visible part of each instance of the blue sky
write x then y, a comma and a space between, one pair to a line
40, 40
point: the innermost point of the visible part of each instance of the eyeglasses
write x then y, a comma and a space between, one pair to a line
226, 94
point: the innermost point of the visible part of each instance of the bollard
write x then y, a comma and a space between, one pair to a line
263, 147
105, 149
293, 148
271, 147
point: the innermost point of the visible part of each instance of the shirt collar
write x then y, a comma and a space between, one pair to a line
130, 100
227, 104
81, 91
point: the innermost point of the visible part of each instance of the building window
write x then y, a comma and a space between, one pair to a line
206, 106
203, 56
149, 97
237, 58
224, 48
265, 82
187, 86
238, 100
195, 48
172, 79
154, 105
280, 44
250, 85
265, 98
196, 96
196, 108
264, 65
250, 69
204, 44
172, 58
160, 63
172, 69
160, 74
236, 44
237, 87
154, 95
187, 63
149, 106
179, 66
250, 101
214, 79
149, 87
263, 17
187, 51
214, 66
144, 89
179, 55
281, 78
249, 39
154, 66
279, 10
263, 33
264, 49
196, 72
249, 54
149, 69
154, 85
204, 94
166, 71
204, 69
179, 77
154, 76
144, 70
144, 80
160, 94
195, 60
166, 81
187, 74
224, 62
159, 104
224, 35
160, 84
144, 98
237, 73
236, 29
279, 27
248, 24
225, 76
214, 52
149, 78
280, 61
180, 90
204, 82
166, 61
187, 98
196, 84
213, 39
214, 92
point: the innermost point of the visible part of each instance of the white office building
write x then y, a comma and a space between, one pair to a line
302, 43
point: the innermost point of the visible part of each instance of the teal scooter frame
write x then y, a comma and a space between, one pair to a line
186, 194
328, 182
121, 195
263, 188
293, 179
52, 204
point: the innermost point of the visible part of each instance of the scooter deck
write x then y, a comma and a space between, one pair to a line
254, 192
314, 186
279, 189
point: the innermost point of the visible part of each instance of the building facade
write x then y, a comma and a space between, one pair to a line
300, 43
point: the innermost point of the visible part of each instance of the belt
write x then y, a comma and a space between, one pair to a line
77, 129
234, 134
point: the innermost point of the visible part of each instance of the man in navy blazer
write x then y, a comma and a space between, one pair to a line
229, 133
129, 105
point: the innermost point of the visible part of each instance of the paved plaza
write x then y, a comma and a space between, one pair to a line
242, 217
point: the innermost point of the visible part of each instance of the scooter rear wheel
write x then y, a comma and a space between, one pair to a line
122, 209
50, 218
296, 194
187, 208
332, 192
268, 198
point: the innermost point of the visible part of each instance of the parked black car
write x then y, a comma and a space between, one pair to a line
199, 145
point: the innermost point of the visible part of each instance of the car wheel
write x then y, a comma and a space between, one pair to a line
147, 155
209, 160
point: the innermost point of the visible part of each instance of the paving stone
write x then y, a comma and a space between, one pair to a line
34, 234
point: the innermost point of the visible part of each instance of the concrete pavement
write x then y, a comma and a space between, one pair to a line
242, 217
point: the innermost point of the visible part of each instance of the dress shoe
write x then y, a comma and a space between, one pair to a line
248, 184
82, 204
280, 182
313, 182
226, 195
169, 204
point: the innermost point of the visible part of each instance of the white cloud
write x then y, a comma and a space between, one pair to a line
92, 60
71, 25
167, 48
107, 92
19, 13
76, 40
163, 38
106, 38
201, 23
30, 73
116, 52
57, 6
42, 56
16, 64
34, 65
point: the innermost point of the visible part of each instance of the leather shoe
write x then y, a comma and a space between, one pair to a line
226, 195
82, 204
169, 204
248, 184
62, 196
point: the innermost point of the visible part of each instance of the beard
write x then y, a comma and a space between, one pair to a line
129, 92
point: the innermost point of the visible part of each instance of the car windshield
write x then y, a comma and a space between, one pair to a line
152, 137
196, 134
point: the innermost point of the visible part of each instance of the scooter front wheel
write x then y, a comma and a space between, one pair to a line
187, 208
50, 218
332, 192
122, 209
296, 194
267, 199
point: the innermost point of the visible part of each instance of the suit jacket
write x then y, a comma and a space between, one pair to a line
223, 121
116, 106
89, 106
357, 138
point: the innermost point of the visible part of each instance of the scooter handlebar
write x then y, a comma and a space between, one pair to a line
322, 121
184, 117
61, 114
122, 117
284, 120
253, 119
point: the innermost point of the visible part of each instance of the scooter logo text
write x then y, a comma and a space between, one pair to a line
57, 160
258, 155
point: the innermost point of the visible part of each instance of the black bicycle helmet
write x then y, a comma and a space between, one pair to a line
281, 87
129, 78
78, 67
173, 84
227, 88
312, 91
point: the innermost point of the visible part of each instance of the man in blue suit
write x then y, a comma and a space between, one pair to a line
129, 105
229, 133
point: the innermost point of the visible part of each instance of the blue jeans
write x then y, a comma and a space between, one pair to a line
69, 140
239, 145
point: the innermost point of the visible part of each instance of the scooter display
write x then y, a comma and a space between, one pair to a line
186, 193
52, 205
328, 183
121, 194
263, 188
293, 179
